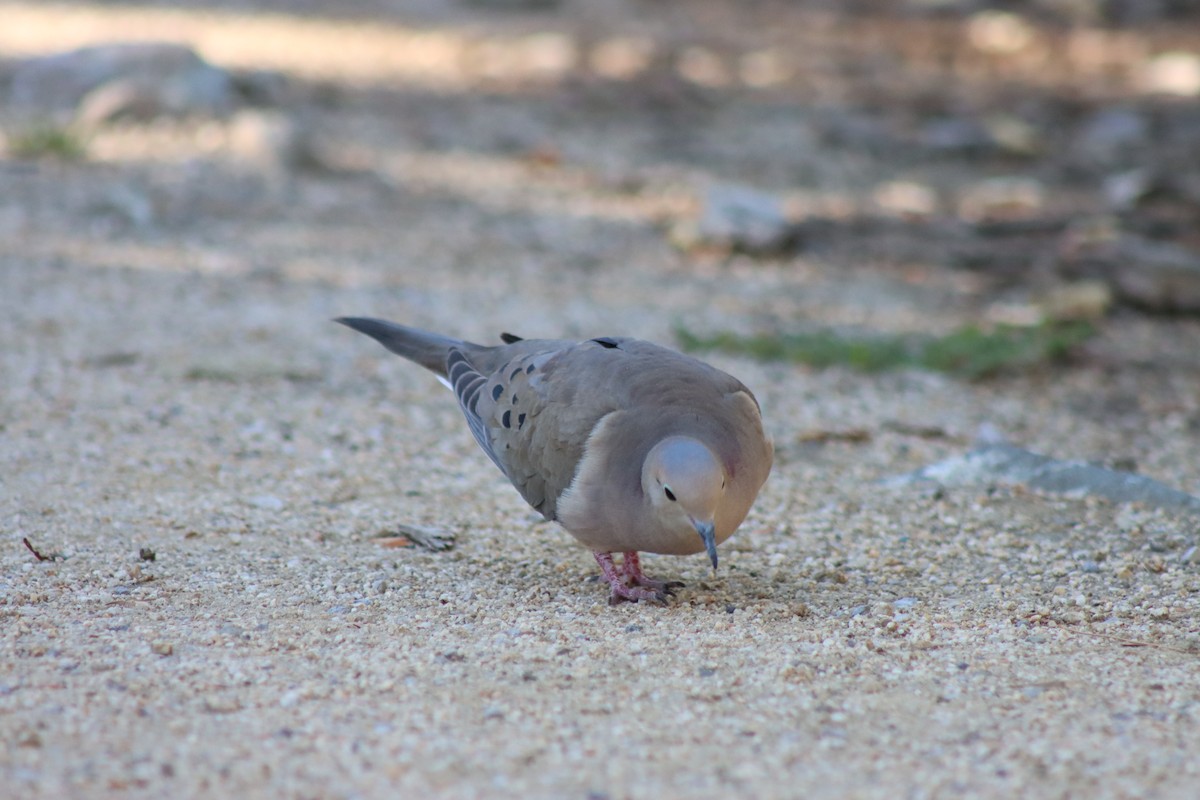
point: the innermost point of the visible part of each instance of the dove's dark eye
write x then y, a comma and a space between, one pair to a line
670, 495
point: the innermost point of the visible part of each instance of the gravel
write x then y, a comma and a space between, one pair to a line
174, 387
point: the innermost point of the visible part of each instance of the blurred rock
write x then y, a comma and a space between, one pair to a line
128, 204
268, 502
838, 127
1081, 300
1124, 190
1138, 12
138, 80
1180, 135
262, 87
1111, 136
997, 133
1002, 199
1141, 188
272, 141
1013, 135
906, 199
1174, 73
956, 135
999, 32
1156, 276
738, 219
940, 7
1003, 463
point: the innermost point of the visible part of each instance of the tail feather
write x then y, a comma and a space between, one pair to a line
424, 348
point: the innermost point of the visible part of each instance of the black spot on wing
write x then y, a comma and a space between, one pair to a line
506, 420
497, 390
529, 370
607, 342
512, 375
520, 421
510, 338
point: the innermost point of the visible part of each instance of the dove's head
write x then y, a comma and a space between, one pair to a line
685, 483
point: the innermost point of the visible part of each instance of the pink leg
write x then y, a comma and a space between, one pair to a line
628, 582
632, 567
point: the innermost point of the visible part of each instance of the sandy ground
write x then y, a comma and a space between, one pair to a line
172, 384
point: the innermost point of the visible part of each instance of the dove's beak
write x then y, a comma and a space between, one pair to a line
708, 532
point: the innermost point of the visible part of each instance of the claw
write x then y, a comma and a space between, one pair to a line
623, 594
631, 566
667, 587
630, 584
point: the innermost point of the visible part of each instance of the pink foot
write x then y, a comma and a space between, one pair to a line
629, 583
631, 566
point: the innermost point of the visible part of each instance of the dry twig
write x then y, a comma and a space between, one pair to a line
38, 555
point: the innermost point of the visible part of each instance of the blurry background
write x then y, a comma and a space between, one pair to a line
897, 165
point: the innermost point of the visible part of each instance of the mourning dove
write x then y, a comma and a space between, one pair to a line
628, 445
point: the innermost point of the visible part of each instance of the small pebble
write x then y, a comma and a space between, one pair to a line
266, 501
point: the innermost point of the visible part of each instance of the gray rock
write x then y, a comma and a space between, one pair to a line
1125, 190
954, 135
105, 82
128, 204
268, 502
271, 141
1112, 136
1007, 464
1156, 276
738, 218
262, 87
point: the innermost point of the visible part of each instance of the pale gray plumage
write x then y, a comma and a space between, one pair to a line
630, 446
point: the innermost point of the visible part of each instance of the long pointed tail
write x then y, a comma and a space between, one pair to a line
424, 348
